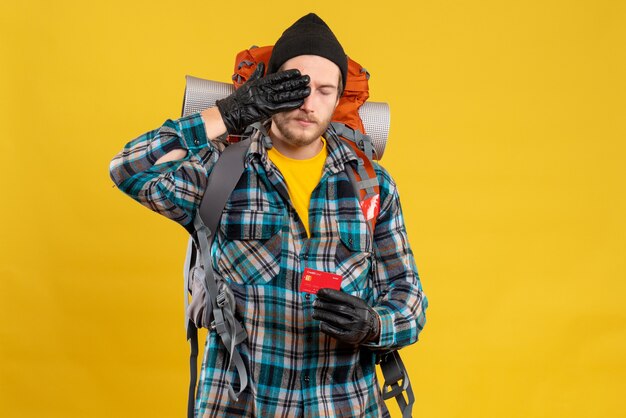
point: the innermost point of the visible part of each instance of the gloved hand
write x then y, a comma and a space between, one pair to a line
260, 97
346, 317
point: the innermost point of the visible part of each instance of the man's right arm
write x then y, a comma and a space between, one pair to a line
166, 169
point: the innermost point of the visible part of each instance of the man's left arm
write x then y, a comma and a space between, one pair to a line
401, 303
398, 314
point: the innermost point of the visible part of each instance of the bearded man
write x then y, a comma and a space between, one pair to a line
294, 208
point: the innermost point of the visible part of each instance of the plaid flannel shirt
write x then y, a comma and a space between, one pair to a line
262, 249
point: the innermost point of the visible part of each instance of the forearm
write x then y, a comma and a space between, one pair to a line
148, 168
402, 306
401, 303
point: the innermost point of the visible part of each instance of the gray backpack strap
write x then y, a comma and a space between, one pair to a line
338, 129
363, 141
228, 328
219, 301
397, 382
222, 182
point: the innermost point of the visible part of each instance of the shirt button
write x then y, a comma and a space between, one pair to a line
307, 378
307, 296
196, 141
350, 241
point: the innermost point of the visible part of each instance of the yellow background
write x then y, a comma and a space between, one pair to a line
507, 144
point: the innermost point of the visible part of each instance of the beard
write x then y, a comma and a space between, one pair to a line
292, 132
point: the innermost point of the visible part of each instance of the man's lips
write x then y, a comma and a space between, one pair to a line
305, 122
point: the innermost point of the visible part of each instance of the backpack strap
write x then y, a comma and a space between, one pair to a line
395, 372
366, 188
363, 177
363, 141
222, 181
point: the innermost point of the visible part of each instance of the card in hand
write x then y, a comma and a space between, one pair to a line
314, 280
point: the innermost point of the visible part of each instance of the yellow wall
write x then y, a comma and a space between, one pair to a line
507, 143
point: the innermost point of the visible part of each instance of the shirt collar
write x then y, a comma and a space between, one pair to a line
339, 154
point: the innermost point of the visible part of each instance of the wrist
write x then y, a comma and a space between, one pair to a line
213, 122
375, 327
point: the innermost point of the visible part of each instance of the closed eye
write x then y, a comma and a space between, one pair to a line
328, 90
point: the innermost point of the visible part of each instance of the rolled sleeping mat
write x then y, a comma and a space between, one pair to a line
201, 94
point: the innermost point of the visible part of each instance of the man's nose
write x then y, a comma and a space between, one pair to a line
307, 106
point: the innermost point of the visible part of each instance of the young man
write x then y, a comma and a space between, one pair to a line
294, 208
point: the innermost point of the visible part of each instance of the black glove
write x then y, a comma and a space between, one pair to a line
346, 317
261, 97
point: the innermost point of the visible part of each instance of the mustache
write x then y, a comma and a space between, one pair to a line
305, 117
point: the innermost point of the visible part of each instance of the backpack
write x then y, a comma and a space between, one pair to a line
212, 305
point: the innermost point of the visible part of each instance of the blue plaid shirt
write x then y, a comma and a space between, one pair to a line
262, 249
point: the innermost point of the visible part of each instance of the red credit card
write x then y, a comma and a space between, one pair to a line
314, 280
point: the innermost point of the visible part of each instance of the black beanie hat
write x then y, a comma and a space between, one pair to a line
310, 35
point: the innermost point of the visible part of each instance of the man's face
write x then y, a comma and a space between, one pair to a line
303, 126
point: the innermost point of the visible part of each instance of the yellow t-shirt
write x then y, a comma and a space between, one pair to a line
302, 176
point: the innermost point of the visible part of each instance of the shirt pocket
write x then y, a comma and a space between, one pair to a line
251, 245
353, 257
